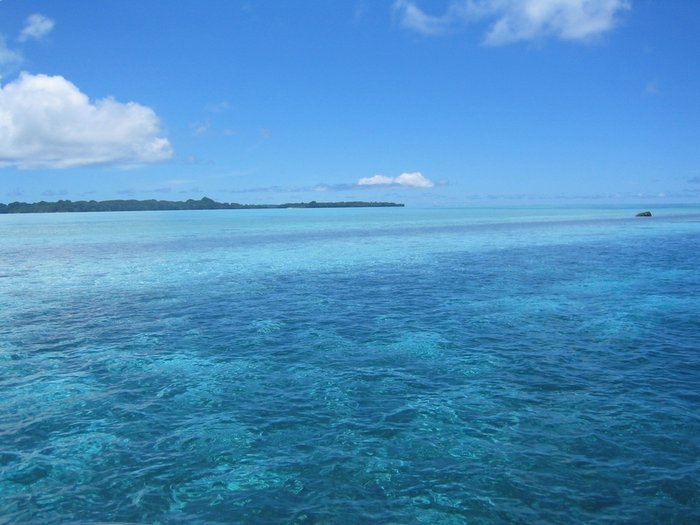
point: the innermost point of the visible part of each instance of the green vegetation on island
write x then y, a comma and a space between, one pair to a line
204, 203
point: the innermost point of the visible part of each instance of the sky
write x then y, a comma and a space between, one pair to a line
424, 102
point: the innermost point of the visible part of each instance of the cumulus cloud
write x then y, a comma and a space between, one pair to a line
518, 20
413, 180
47, 122
36, 27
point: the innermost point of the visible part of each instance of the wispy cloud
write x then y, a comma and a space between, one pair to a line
412, 17
652, 88
406, 180
518, 20
177, 182
47, 122
219, 107
9, 58
361, 9
54, 193
200, 128
412, 180
37, 27
270, 189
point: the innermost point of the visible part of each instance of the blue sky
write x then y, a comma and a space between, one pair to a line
423, 102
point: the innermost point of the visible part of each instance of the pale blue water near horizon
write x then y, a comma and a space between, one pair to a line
484, 365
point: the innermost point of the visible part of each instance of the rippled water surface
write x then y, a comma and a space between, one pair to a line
350, 366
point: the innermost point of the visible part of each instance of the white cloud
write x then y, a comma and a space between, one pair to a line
414, 180
565, 19
47, 122
376, 180
517, 20
36, 27
414, 18
8, 57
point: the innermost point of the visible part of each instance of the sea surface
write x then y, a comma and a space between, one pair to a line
351, 366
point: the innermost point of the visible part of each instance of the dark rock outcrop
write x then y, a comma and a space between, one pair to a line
644, 214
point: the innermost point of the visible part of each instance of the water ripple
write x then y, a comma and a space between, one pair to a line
547, 380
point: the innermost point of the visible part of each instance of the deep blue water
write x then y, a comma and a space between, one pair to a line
350, 366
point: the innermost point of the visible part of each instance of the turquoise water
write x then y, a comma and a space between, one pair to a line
524, 365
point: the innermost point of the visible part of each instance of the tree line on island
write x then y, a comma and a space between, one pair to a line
204, 203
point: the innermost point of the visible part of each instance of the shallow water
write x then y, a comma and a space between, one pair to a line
350, 365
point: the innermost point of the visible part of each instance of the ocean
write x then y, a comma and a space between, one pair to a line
342, 366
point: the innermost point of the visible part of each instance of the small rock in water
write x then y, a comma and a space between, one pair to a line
644, 214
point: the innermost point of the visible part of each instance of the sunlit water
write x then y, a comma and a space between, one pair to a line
350, 366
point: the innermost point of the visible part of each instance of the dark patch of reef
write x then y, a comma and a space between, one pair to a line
204, 203
644, 214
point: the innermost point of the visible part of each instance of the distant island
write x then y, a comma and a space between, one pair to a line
204, 203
